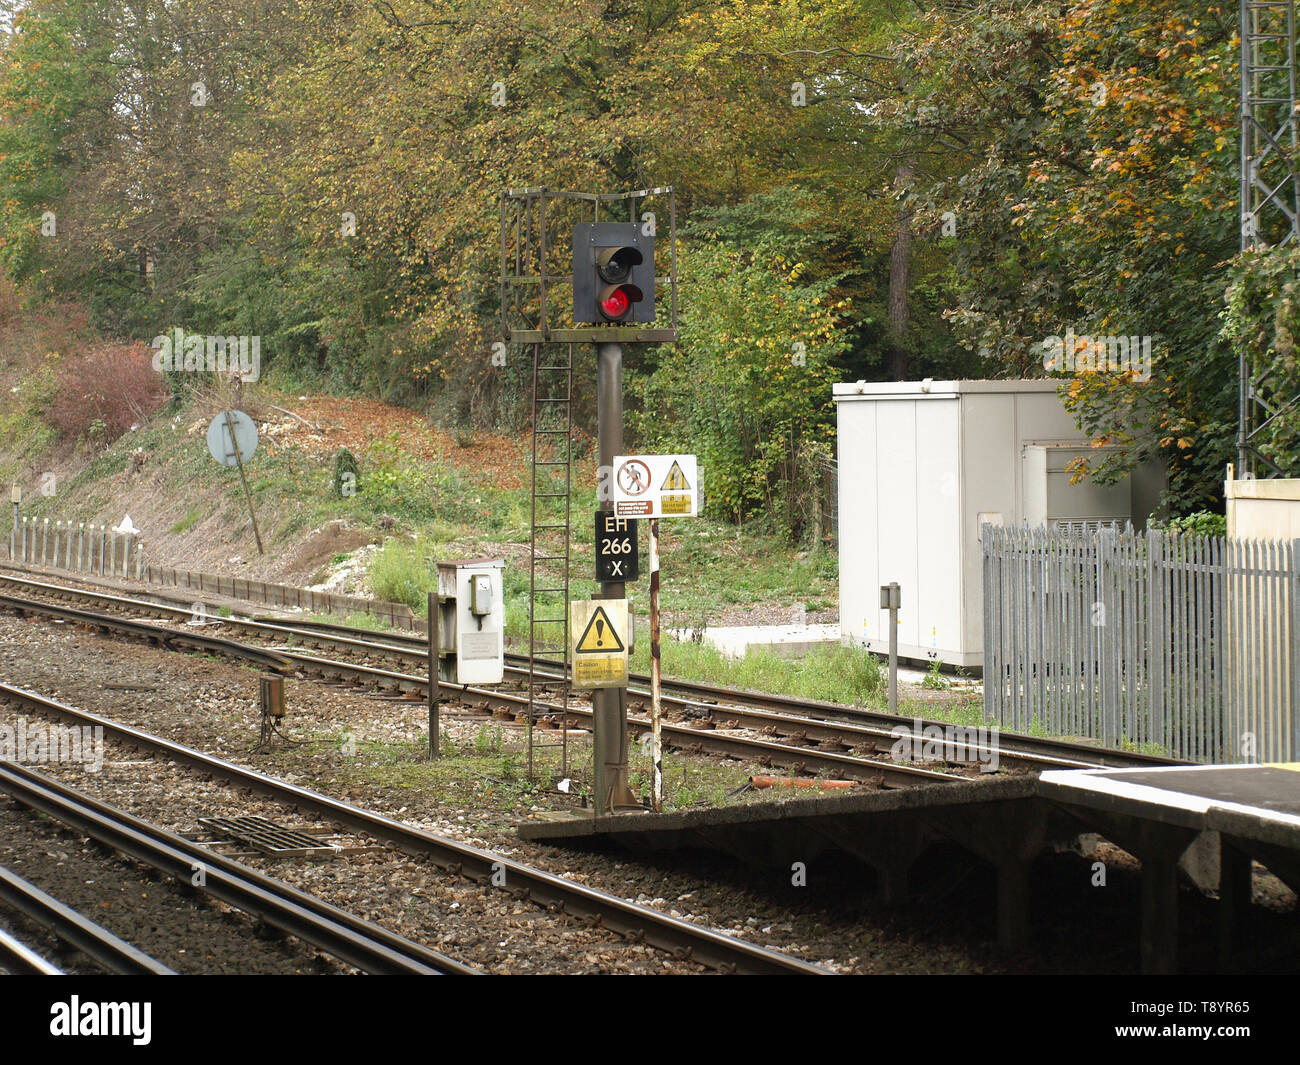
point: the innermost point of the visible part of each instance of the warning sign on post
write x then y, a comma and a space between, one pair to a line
656, 486
600, 639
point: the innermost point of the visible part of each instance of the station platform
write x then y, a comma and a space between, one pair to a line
1205, 823
1244, 813
998, 818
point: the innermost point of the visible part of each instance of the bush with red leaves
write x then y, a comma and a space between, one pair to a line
106, 390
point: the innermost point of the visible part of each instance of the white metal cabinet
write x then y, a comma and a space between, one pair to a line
921, 465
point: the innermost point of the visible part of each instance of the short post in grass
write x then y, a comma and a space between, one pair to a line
891, 600
434, 693
15, 497
656, 708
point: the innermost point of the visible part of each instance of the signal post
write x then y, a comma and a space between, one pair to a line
609, 705
613, 283
613, 303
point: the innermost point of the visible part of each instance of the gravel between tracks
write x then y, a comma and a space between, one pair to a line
183, 929
205, 704
212, 705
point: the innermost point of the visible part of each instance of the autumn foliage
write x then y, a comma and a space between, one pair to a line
955, 182
104, 391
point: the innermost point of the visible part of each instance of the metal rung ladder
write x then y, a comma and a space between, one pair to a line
548, 560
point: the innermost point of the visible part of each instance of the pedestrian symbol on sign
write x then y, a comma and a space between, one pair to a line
634, 477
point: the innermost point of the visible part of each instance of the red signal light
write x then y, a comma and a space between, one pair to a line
615, 301
614, 305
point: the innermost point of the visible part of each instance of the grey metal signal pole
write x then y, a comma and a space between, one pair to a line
609, 705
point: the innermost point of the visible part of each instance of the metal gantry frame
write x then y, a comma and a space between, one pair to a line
1270, 200
536, 225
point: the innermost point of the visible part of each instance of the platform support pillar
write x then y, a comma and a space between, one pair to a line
1013, 903
892, 882
1159, 911
1234, 896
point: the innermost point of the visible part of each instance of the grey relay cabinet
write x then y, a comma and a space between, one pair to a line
921, 466
471, 621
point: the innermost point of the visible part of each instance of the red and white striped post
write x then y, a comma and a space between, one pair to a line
656, 716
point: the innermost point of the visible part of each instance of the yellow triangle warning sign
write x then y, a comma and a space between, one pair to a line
675, 481
599, 636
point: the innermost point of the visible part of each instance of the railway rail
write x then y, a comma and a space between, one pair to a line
70, 925
18, 959
639, 923
280, 659
358, 942
807, 734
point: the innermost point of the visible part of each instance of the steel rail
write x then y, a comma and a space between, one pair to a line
885, 773
680, 937
353, 940
851, 726
1051, 753
156, 633
18, 959
891, 774
92, 939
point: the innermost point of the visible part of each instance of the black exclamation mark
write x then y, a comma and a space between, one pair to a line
600, 633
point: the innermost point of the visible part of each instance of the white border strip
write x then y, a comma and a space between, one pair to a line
1100, 782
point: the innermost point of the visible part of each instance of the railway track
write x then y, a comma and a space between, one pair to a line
121, 831
786, 714
358, 942
796, 733
18, 959
699, 735
112, 953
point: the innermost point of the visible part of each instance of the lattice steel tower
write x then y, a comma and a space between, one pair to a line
1270, 201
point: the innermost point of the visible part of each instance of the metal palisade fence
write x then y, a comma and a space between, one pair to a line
1190, 644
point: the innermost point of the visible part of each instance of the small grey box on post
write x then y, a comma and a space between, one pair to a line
471, 624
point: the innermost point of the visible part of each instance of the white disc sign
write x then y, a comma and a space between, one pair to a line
223, 446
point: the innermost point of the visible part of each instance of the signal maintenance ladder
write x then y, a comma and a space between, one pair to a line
548, 574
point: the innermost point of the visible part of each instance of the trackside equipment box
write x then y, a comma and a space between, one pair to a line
922, 465
471, 621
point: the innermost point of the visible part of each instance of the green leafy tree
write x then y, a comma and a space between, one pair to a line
749, 387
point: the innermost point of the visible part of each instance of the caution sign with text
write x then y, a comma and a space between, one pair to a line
656, 486
599, 630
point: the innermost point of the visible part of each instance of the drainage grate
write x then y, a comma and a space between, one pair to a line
270, 838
